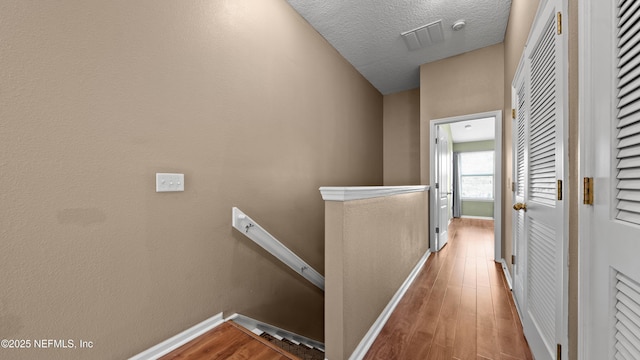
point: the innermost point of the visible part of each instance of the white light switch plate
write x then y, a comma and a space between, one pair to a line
169, 182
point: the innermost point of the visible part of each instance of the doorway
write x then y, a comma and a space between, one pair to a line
474, 129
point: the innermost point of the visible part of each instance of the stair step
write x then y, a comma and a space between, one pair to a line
258, 327
304, 352
229, 340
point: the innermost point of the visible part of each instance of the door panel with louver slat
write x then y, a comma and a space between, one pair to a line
609, 240
627, 318
628, 112
541, 294
520, 139
520, 135
539, 158
542, 146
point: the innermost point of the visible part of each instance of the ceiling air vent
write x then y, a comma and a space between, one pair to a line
424, 36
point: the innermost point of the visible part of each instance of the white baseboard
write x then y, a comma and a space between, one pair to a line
507, 275
184, 337
374, 331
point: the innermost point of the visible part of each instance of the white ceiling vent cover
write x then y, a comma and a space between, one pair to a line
424, 36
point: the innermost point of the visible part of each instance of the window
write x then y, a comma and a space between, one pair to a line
476, 175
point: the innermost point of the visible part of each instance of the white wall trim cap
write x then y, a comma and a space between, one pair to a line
348, 193
371, 335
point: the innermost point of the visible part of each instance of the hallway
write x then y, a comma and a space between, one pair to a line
459, 306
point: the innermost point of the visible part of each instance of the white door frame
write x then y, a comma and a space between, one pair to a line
497, 185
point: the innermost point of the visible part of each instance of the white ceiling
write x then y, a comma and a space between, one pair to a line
367, 33
480, 130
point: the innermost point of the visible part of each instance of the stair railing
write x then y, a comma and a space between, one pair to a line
251, 229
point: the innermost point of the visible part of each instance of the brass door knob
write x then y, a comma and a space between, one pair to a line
520, 206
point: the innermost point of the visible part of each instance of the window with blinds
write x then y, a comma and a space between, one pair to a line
628, 118
542, 132
627, 318
476, 175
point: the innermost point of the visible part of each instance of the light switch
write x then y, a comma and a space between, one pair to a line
169, 182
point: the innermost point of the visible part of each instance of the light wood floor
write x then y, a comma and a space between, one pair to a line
459, 306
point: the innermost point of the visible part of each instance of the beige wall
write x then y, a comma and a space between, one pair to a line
242, 96
465, 84
372, 246
401, 133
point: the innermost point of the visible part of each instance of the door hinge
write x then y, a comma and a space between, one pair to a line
559, 352
559, 189
513, 113
436, 140
559, 23
437, 186
513, 186
587, 191
513, 259
437, 230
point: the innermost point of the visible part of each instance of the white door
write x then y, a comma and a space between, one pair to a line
610, 230
443, 186
520, 134
540, 232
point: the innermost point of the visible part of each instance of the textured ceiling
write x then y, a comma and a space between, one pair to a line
367, 33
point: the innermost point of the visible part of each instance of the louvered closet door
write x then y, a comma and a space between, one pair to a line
628, 124
613, 301
543, 307
520, 101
